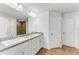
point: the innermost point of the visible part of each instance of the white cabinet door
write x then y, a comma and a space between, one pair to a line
27, 49
36, 45
39, 43
55, 29
17, 50
42, 40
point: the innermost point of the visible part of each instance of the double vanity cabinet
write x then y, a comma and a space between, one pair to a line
24, 45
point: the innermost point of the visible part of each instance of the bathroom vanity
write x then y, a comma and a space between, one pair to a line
23, 45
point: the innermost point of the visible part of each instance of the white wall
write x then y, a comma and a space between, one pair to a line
71, 29
77, 29
7, 26
68, 29
40, 24
12, 27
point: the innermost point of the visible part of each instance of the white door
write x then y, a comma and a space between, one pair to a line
68, 29
55, 29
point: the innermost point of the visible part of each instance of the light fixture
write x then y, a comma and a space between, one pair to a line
32, 14
19, 7
13, 5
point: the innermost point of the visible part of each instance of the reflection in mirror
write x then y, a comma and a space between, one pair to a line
21, 27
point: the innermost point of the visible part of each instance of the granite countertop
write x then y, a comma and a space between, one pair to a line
16, 41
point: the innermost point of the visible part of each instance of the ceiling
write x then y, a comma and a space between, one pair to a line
61, 7
12, 12
38, 8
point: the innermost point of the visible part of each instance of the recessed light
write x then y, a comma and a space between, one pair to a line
32, 14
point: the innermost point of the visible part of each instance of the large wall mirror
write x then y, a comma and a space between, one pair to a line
22, 27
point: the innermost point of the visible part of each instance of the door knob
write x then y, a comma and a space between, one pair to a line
51, 33
63, 33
